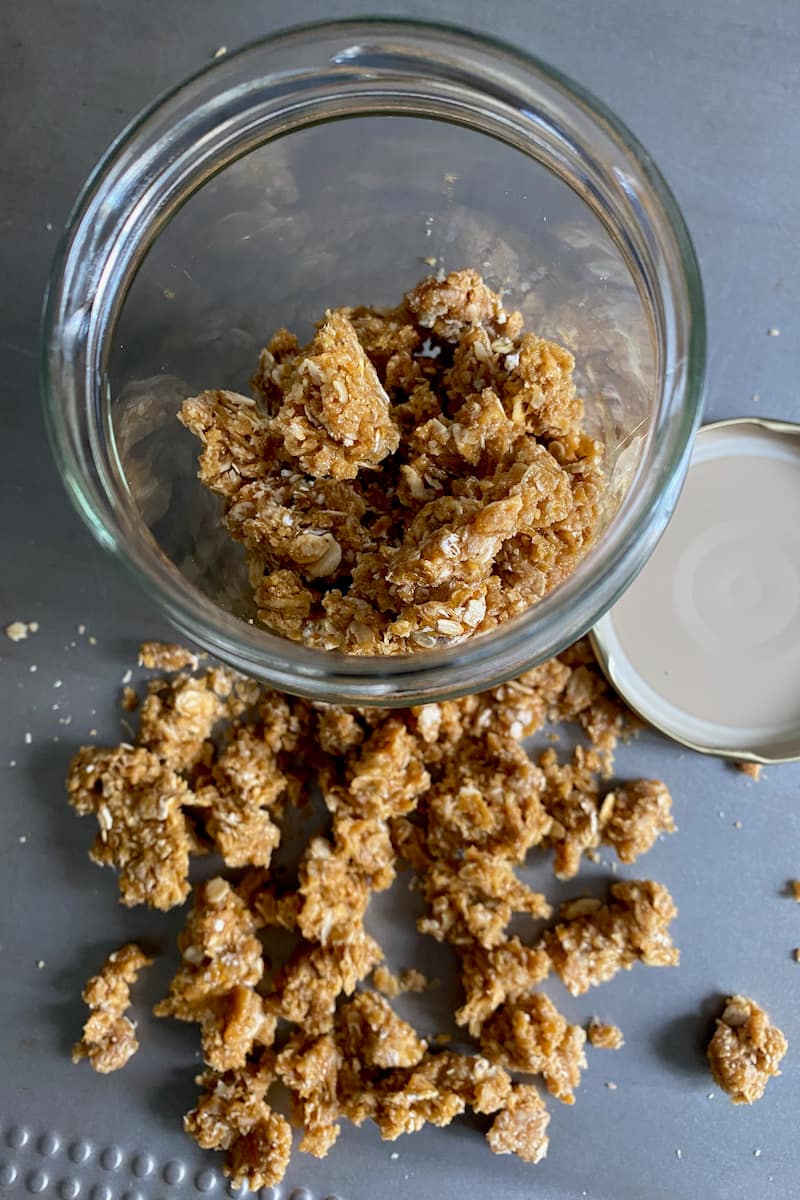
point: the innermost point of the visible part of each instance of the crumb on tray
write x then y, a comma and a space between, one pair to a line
604, 1037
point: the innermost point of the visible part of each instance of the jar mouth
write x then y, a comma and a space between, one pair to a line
342, 69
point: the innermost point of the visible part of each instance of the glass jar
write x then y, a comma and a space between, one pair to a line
338, 164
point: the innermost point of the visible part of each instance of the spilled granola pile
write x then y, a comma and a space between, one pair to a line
411, 477
447, 790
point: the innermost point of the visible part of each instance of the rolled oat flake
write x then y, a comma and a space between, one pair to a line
705, 644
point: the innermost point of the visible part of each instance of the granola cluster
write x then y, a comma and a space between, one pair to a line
446, 789
411, 477
109, 1036
745, 1051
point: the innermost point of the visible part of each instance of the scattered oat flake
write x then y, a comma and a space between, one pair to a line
678, 1152
40, 964
737, 824
773, 332
81, 630
33, 667
57, 683
612, 1086
22, 839
756, 1154
28, 739
220, 52
92, 641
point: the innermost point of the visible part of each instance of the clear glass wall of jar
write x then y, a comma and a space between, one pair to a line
329, 165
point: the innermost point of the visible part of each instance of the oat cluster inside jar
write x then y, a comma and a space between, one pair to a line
411, 477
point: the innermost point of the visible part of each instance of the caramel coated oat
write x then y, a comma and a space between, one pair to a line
144, 834
177, 718
597, 940
521, 1126
232, 1115
634, 815
214, 986
109, 1037
745, 1051
310, 1069
411, 477
439, 1088
473, 901
532, 1036
242, 798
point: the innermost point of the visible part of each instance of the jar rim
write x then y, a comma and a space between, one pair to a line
96, 259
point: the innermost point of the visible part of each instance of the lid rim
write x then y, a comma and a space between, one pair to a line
610, 667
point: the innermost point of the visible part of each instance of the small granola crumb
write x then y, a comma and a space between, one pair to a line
386, 982
413, 981
605, 1037
745, 1051
130, 701
796, 889
17, 631
166, 656
751, 769
109, 1037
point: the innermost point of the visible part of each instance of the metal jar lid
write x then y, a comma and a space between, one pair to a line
705, 643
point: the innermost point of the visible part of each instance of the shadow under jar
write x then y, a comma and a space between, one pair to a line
327, 166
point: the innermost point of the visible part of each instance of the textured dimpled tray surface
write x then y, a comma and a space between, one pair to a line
648, 1120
